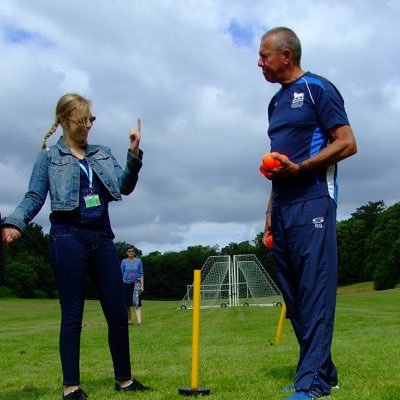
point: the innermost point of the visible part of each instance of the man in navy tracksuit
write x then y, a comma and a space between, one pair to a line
308, 124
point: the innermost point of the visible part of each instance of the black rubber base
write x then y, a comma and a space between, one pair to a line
188, 391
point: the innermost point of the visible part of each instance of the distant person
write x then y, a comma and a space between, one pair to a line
82, 179
2, 276
308, 124
133, 278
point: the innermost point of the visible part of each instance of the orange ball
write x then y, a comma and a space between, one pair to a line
268, 241
264, 171
270, 162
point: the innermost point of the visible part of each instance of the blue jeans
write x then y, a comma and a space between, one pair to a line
76, 253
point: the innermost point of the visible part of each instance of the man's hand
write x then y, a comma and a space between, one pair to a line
287, 168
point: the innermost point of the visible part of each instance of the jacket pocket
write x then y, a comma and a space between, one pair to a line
61, 180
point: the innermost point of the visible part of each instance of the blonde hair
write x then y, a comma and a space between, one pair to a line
65, 106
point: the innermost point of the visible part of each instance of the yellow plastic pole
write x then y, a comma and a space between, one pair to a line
279, 332
196, 329
194, 384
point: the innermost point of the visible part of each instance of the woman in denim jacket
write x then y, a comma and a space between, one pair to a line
82, 179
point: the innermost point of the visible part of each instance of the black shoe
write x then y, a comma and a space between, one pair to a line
135, 386
76, 395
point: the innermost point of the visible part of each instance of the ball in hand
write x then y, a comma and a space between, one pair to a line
270, 162
268, 241
264, 171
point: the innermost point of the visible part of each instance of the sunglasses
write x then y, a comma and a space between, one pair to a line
83, 121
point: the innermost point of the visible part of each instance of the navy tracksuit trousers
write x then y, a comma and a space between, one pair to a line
305, 252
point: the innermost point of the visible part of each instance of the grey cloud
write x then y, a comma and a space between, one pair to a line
202, 100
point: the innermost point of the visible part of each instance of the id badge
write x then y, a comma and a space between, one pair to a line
92, 200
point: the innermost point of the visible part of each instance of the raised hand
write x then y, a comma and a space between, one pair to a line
134, 137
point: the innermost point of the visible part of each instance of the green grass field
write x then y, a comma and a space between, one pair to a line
238, 360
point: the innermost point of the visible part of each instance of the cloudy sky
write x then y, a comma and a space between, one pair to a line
188, 68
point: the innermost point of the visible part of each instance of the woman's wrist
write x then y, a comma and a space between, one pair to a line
135, 152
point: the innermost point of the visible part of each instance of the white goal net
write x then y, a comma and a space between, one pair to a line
227, 283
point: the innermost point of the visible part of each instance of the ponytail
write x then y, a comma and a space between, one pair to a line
48, 134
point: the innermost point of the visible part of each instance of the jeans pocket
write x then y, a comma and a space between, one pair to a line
62, 231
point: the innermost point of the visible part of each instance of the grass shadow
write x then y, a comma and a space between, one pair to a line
282, 372
391, 393
37, 392
28, 392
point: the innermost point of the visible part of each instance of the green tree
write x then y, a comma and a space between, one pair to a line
238, 248
32, 251
21, 279
197, 255
265, 257
33, 241
382, 245
369, 213
45, 283
154, 277
387, 275
167, 275
351, 237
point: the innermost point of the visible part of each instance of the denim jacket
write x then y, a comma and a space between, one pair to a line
57, 171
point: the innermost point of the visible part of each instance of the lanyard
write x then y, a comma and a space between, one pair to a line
89, 174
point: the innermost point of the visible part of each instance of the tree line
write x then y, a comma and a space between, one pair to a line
368, 250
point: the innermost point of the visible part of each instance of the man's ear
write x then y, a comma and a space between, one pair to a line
287, 55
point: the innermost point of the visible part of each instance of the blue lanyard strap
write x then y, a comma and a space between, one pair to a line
89, 174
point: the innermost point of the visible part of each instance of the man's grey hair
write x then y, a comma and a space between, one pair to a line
285, 39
